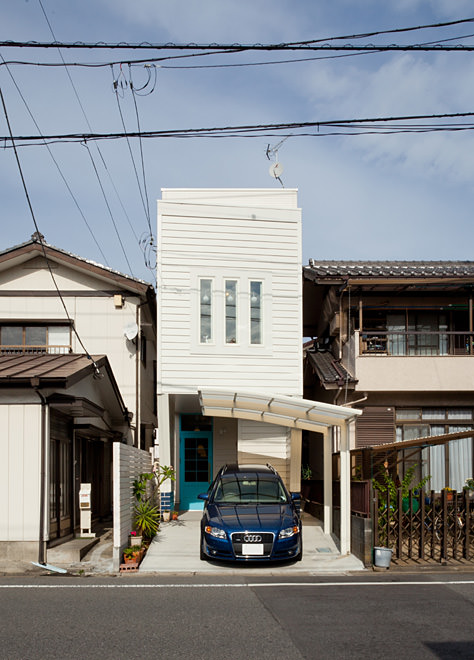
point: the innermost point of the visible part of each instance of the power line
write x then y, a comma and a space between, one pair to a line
108, 206
96, 145
254, 129
40, 237
57, 166
240, 48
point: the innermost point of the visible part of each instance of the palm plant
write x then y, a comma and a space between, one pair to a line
146, 518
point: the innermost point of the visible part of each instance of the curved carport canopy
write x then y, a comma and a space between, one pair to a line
297, 414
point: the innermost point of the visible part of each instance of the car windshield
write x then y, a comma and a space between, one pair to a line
250, 490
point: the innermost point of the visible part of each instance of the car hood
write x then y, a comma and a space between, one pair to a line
244, 517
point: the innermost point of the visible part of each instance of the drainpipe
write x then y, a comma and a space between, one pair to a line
41, 548
137, 379
352, 403
341, 293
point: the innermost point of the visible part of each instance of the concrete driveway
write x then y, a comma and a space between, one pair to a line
175, 549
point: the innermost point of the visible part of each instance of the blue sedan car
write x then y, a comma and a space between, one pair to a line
250, 516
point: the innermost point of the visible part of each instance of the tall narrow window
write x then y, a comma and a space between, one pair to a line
231, 311
205, 291
255, 312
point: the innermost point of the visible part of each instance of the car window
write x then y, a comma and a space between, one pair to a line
234, 490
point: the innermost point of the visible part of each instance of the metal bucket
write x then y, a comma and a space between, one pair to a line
382, 557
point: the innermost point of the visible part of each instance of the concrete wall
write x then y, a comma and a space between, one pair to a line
381, 373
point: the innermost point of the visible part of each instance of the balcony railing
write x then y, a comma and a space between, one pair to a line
33, 350
416, 343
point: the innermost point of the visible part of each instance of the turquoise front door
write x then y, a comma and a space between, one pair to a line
195, 467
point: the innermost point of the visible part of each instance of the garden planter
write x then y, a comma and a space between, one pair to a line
166, 516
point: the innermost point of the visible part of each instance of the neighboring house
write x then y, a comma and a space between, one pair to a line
230, 341
71, 382
396, 339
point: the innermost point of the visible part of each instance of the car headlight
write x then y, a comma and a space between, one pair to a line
288, 531
215, 531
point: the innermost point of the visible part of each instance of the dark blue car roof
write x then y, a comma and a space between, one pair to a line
261, 470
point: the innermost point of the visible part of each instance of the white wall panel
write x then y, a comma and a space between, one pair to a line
229, 234
19, 472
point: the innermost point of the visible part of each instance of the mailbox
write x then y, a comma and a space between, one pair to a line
85, 506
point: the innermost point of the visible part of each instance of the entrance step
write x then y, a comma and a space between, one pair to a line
71, 551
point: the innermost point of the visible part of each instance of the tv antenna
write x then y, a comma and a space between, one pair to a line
276, 168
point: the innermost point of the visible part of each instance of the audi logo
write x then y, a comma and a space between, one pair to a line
252, 538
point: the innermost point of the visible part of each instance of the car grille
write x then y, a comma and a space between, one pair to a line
245, 538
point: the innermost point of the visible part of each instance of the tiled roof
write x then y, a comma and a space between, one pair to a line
329, 370
18, 369
344, 269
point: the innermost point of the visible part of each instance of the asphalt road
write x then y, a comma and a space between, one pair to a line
369, 616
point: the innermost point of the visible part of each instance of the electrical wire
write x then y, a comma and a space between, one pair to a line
228, 47
96, 145
141, 149
108, 206
119, 84
40, 239
57, 166
259, 129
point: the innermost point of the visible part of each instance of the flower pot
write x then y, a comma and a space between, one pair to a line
135, 540
166, 516
382, 557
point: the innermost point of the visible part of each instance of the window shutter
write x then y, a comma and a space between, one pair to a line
375, 426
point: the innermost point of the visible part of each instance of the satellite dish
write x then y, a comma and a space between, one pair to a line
276, 170
131, 331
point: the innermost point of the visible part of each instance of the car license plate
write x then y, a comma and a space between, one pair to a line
252, 548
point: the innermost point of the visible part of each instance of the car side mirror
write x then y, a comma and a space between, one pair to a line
203, 496
295, 496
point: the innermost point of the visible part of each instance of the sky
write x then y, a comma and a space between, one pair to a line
363, 197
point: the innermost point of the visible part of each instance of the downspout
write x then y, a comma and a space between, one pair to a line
341, 293
41, 548
137, 379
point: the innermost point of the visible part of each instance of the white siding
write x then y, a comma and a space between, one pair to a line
20, 449
225, 443
249, 234
265, 443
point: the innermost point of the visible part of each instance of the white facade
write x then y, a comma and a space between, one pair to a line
242, 246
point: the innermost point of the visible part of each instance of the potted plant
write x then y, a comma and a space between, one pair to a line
449, 493
135, 539
131, 555
174, 515
166, 515
146, 518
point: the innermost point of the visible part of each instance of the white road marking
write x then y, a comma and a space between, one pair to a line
234, 586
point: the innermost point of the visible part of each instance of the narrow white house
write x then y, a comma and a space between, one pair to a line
229, 289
